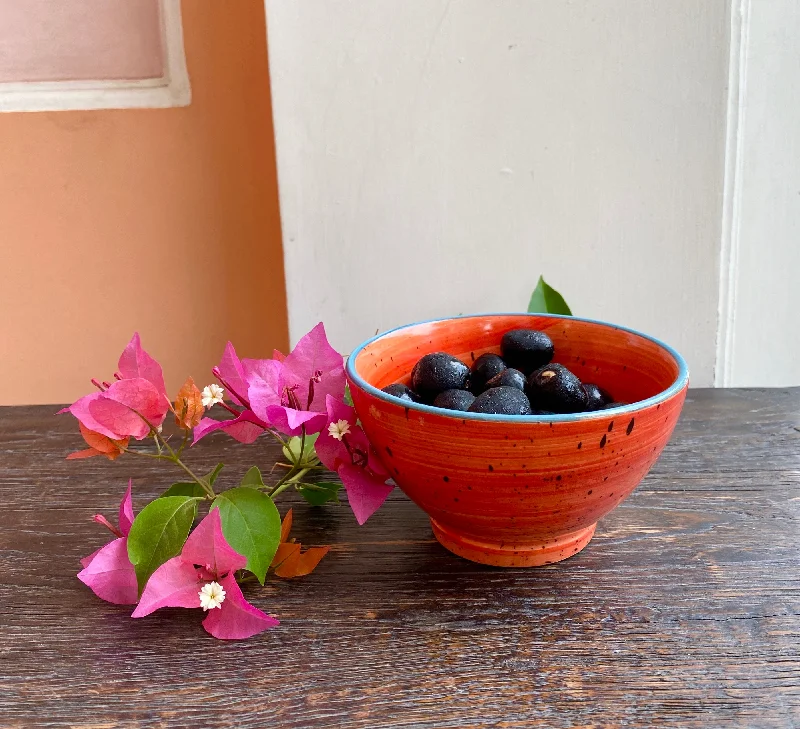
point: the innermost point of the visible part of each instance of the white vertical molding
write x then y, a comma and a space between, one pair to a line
732, 191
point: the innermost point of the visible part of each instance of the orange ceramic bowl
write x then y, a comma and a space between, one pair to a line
518, 491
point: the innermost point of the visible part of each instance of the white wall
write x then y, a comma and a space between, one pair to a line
436, 156
760, 342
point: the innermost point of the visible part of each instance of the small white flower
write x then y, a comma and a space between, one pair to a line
211, 596
212, 394
339, 430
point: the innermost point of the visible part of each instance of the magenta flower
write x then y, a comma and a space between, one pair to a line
343, 447
202, 576
135, 363
108, 572
272, 391
246, 426
118, 410
291, 394
286, 393
231, 374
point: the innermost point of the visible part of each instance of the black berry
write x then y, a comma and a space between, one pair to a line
613, 405
526, 349
508, 378
454, 400
438, 372
595, 397
501, 401
403, 392
553, 387
484, 369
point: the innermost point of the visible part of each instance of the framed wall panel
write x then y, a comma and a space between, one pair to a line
91, 54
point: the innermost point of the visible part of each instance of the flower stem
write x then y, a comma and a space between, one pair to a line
175, 457
185, 440
295, 472
157, 456
277, 436
203, 484
288, 480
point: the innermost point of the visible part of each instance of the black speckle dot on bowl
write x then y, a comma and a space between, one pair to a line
603, 441
630, 427
611, 426
446, 479
491, 467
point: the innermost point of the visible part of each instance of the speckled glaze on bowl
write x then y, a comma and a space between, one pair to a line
520, 491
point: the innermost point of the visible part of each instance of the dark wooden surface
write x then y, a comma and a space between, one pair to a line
683, 611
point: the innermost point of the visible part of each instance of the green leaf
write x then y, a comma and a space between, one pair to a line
252, 479
192, 489
546, 300
309, 455
158, 534
348, 398
211, 476
252, 526
320, 493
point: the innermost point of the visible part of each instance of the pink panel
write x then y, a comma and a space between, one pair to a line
69, 40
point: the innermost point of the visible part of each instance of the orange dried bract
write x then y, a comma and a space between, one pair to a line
99, 445
289, 560
188, 405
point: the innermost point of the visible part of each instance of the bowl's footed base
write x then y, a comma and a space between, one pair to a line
514, 555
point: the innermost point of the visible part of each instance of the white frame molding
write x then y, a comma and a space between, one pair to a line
172, 89
732, 191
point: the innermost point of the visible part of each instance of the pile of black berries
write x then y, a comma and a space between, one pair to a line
521, 380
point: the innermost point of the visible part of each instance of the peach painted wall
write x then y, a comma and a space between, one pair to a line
162, 221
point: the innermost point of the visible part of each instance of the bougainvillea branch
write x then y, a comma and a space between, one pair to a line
160, 558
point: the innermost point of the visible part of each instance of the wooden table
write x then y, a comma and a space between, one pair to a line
683, 611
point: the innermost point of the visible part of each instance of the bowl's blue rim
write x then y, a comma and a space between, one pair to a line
680, 382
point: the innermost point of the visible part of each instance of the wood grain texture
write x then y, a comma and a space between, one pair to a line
684, 611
